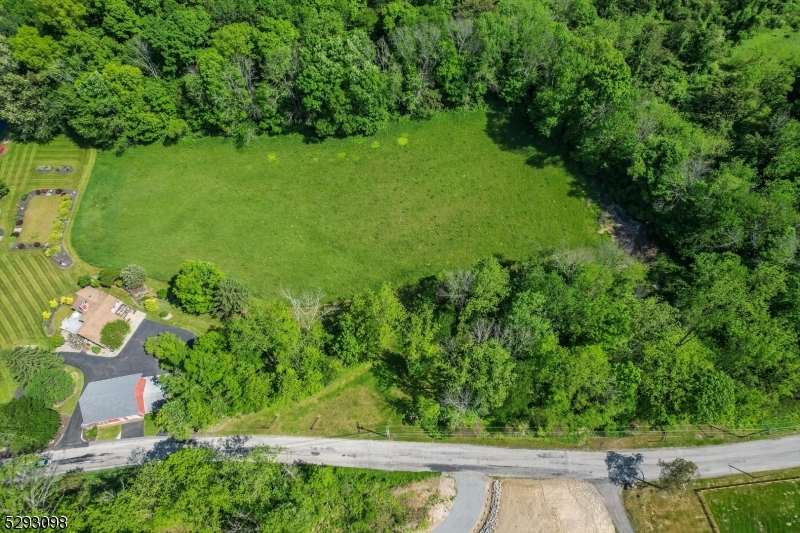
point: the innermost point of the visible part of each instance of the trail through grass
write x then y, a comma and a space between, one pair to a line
340, 215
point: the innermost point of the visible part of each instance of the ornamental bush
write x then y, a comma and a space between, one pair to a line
151, 305
53, 250
84, 280
57, 341
161, 294
3, 189
50, 386
108, 276
55, 237
114, 333
63, 213
133, 276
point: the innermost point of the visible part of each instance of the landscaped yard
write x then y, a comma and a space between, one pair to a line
108, 432
39, 217
28, 280
339, 215
756, 507
68, 406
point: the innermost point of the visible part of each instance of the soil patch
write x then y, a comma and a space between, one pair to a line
430, 502
543, 506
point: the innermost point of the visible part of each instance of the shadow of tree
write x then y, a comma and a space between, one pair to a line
623, 470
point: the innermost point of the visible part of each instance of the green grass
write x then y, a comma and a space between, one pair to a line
7, 384
108, 432
68, 407
39, 217
773, 507
150, 429
780, 45
339, 215
352, 398
756, 507
28, 280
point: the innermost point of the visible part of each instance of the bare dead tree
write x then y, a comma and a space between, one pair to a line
57, 70
464, 402
427, 37
462, 31
241, 522
308, 307
778, 121
647, 125
383, 54
142, 56
569, 262
457, 287
482, 330
404, 43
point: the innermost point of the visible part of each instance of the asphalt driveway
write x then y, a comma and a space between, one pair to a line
132, 359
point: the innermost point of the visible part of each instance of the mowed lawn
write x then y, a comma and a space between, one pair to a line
773, 507
39, 217
339, 215
28, 280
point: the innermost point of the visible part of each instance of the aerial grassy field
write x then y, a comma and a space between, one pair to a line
773, 507
28, 280
759, 506
339, 215
39, 218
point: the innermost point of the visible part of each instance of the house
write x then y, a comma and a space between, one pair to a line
93, 309
119, 400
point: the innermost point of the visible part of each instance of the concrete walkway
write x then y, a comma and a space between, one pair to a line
471, 489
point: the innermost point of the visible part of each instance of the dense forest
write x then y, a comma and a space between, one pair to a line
645, 97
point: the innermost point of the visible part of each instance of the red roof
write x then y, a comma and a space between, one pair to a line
139, 393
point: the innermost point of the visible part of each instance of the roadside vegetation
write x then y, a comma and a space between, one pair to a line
739, 503
201, 489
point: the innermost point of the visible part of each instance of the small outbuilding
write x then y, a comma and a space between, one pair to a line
119, 400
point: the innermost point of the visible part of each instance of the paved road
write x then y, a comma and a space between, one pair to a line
612, 495
132, 359
471, 490
751, 456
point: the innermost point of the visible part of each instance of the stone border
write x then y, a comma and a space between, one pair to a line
62, 260
494, 509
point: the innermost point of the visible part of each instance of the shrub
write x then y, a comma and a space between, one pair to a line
163, 314
13, 238
66, 300
84, 280
151, 305
118, 283
50, 386
37, 244
65, 200
56, 341
54, 237
108, 276
63, 213
20, 246
59, 226
54, 250
53, 303
3, 189
95, 283
18, 222
24, 197
26, 424
133, 276
96, 350
25, 362
90, 433
46, 315
114, 333
161, 294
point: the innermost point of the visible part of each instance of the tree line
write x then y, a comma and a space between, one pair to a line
567, 340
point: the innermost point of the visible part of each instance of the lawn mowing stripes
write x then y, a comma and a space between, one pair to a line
52, 284
23, 281
13, 165
21, 309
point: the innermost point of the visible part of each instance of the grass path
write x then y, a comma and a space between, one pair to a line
340, 215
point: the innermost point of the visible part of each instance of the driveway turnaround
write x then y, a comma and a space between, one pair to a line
471, 492
132, 359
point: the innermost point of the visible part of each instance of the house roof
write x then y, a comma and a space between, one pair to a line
97, 308
153, 394
110, 399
